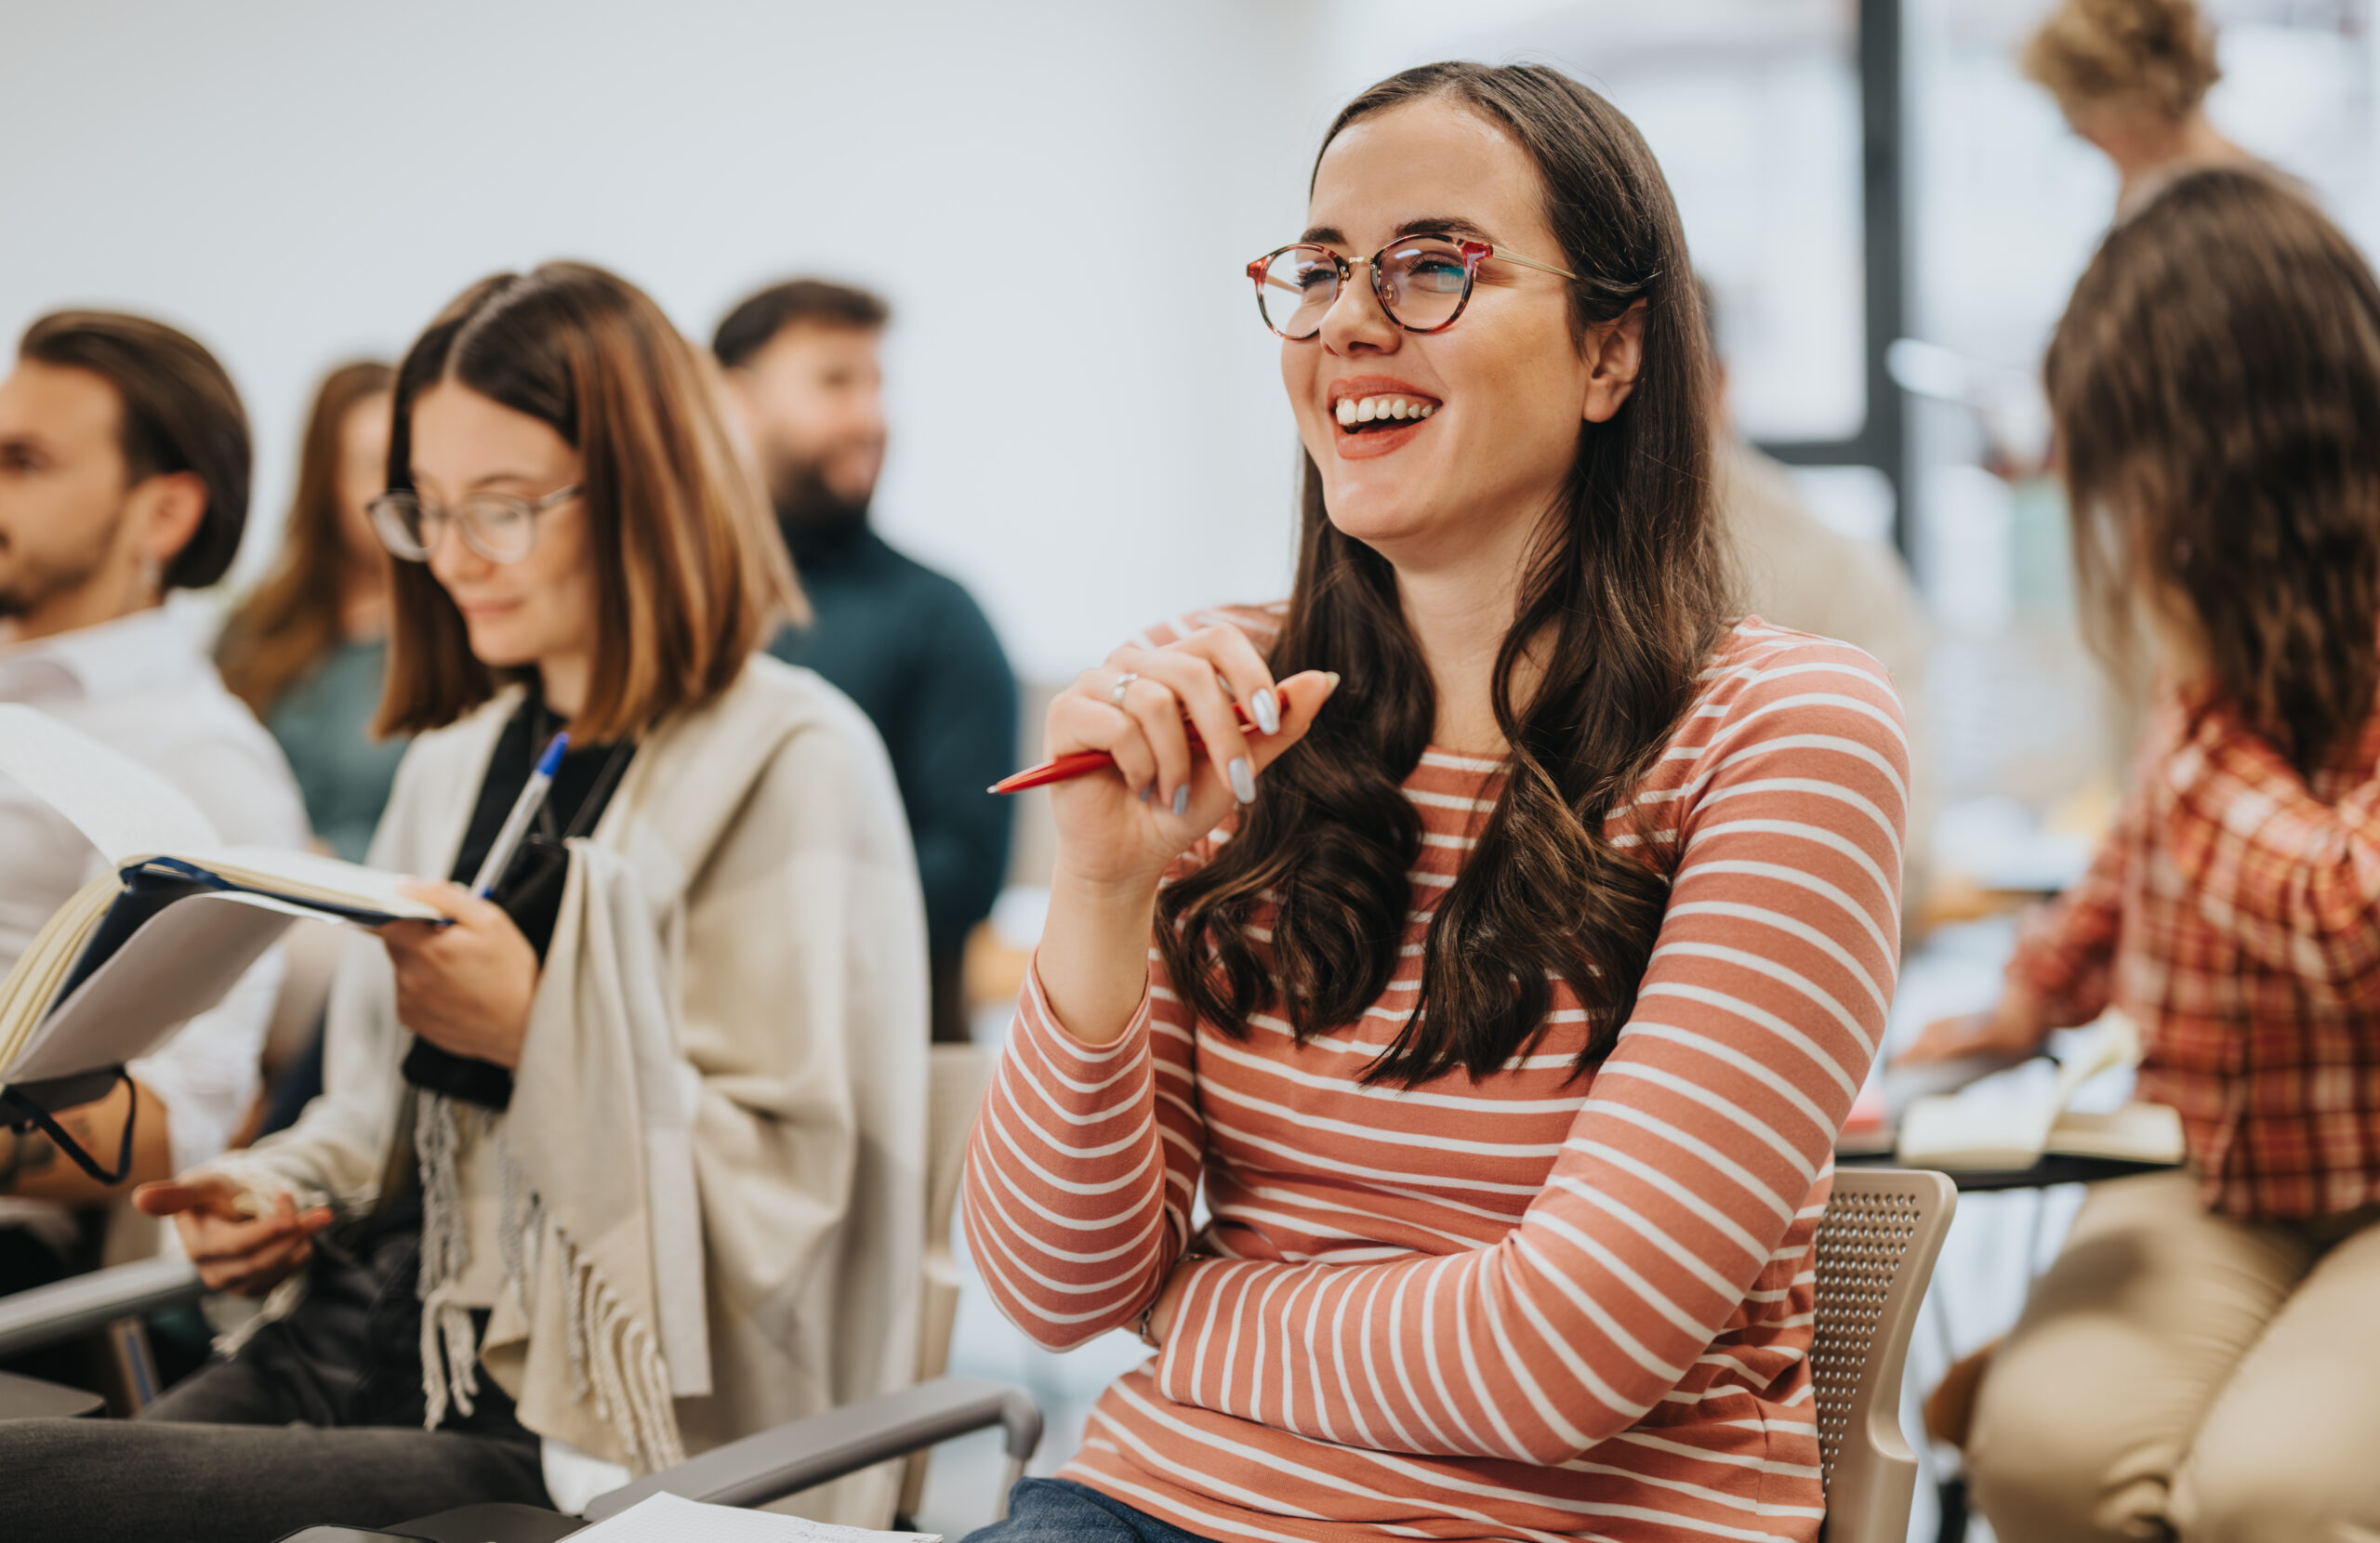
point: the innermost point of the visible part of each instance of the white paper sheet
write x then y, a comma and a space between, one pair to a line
668, 1519
180, 963
121, 805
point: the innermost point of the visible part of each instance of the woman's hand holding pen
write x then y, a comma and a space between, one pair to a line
465, 986
238, 1241
1118, 830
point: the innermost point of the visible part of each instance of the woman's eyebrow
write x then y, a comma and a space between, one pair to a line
1444, 225
1426, 225
486, 480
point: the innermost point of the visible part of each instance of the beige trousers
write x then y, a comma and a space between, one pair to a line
2178, 1376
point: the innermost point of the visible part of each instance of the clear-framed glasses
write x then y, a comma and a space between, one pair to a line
496, 525
1422, 282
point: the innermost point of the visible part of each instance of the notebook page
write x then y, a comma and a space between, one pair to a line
669, 1519
121, 806
304, 876
180, 963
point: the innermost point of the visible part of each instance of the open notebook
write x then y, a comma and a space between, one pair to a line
159, 938
1985, 1131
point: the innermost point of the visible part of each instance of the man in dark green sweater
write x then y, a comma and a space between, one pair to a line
910, 645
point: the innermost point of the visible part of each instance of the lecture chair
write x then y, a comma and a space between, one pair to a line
1876, 1247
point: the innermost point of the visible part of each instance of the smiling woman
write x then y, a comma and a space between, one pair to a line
1506, 986
624, 1161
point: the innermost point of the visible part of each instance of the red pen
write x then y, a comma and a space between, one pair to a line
1082, 763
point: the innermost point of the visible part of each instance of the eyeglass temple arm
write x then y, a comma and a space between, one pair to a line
1502, 255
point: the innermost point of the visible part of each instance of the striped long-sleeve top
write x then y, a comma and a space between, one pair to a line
1539, 1305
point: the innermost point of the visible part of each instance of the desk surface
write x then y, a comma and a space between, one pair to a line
499, 1523
2042, 1175
30, 1398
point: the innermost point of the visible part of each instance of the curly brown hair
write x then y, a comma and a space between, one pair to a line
2155, 54
2215, 388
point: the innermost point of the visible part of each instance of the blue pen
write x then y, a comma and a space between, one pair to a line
525, 809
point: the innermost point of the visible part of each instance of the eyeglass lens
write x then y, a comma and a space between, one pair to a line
1424, 280
500, 528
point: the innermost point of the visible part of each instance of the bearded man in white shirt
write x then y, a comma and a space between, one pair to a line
124, 474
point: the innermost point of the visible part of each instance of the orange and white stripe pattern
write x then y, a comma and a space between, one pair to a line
1537, 1305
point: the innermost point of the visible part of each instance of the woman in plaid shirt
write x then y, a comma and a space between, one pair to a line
2202, 1362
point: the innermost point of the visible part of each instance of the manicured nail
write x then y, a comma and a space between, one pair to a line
1332, 677
1181, 800
1146, 791
1267, 710
1243, 779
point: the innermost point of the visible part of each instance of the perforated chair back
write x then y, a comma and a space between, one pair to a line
1876, 1248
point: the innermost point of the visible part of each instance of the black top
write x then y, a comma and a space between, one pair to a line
912, 648
530, 889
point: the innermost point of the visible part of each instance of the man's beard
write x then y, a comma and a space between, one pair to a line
32, 582
814, 517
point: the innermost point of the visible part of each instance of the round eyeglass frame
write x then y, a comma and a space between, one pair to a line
389, 525
1473, 254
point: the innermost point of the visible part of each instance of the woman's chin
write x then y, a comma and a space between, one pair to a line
492, 648
1379, 522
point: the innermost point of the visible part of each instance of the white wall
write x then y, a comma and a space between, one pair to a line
1057, 197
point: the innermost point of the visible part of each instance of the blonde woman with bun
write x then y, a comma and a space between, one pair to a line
2132, 78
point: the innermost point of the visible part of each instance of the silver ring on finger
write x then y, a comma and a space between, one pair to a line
1123, 683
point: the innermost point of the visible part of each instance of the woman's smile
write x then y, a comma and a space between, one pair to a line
1377, 415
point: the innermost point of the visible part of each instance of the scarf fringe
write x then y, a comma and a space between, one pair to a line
614, 1358
450, 1352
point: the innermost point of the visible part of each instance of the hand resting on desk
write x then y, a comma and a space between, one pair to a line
2012, 1027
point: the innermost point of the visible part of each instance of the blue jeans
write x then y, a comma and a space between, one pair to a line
1059, 1510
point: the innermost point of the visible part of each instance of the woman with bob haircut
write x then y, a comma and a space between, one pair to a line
624, 1161
1507, 984
2198, 1363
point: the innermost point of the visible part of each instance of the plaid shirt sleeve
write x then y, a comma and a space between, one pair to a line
2293, 880
2066, 950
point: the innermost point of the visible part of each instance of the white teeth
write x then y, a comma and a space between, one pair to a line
1350, 411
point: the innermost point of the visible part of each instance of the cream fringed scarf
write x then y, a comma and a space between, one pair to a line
706, 1201
595, 1162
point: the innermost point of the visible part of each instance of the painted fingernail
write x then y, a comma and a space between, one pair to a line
1267, 710
1146, 791
1243, 779
1181, 800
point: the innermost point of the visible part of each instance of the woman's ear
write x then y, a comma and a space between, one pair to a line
1615, 352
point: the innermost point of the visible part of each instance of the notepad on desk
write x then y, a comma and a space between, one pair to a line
1989, 1131
171, 927
669, 1519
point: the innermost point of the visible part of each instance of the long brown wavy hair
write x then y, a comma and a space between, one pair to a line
2215, 388
1623, 597
292, 620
